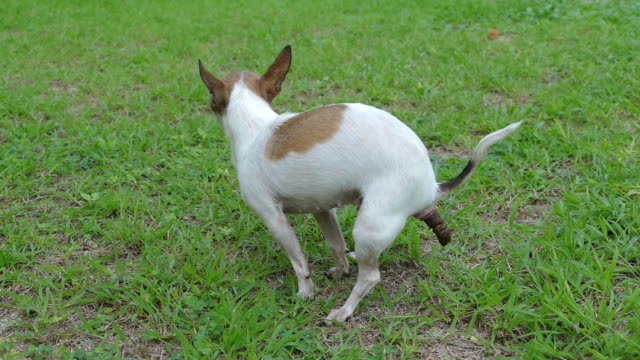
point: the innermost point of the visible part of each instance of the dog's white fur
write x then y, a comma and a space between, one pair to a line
372, 159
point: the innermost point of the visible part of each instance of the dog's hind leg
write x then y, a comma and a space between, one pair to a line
330, 227
372, 234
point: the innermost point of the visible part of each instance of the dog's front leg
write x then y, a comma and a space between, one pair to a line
330, 227
282, 231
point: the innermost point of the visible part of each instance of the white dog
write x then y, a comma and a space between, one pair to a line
323, 158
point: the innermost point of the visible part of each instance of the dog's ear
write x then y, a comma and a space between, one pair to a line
271, 81
217, 89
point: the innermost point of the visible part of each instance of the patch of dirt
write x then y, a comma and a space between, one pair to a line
530, 214
443, 343
70, 334
59, 87
10, 319
500, 101
550, 78
450, 151
134, 344
534, 213
85, 101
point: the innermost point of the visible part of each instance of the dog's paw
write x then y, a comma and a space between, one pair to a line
306, 294
305, 288
337, 274
341, 315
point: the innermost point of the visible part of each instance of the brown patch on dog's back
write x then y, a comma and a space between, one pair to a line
301, 132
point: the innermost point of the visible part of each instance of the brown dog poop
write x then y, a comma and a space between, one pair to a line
437, 225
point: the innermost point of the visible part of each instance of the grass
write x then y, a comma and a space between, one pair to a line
123, 234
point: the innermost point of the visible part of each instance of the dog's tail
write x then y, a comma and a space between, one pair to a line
478, 154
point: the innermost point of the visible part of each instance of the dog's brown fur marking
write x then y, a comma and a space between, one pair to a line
220, 93
301, 132
251, 81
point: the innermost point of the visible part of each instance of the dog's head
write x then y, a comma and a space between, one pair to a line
266, 86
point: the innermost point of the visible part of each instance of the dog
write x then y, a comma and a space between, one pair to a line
321, 159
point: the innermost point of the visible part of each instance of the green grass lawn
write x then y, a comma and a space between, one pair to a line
123, 233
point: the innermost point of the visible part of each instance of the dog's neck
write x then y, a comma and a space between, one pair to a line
245, 117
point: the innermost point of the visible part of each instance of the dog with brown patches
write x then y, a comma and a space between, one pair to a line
321, 159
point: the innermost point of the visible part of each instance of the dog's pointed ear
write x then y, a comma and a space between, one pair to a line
217, 89
271, 81
212, 83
